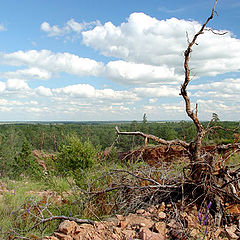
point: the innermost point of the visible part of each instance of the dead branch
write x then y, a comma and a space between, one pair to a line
77, 220
200, 130
216, 33
154, 138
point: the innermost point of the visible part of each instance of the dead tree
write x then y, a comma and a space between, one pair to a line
215, 183
194, 147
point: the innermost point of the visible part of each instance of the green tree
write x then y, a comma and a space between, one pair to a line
25, 164
215, 117
144, 123
75, 156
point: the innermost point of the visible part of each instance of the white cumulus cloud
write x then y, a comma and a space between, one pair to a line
16, 85
133, 73
70, 26
43, 91
147, 40
53, 62
29, 73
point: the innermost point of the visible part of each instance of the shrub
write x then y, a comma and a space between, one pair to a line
25, 164
75, 156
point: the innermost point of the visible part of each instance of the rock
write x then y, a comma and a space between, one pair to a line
124, 224
62, 236
192, 220
140, 211
120, 217
129, 233
117, 230
174, 224
67, 227
162, 207
146, 234
161, 227
147, 214
100, 225
231, 231
162, 215
133, 219
194, 233
152, 210
217, 232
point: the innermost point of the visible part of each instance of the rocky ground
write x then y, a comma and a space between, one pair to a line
155, 223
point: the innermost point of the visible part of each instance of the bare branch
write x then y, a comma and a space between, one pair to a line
187, 73
77, 220
154, 138
216, 33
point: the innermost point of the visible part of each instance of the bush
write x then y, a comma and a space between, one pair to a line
25, 164
75, 156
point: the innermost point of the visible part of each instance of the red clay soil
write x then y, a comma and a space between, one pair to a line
161, 153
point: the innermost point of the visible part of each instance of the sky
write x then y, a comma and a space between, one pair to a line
92, 60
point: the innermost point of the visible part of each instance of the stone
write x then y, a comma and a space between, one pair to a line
147, 214
194, 233
217, 232
117, 230
162, 207
192, 220
161, 227
120, 217
151, 210
146, 234
231, 231
162, 215
140, 211
62, 236
134, 219
100, 225
67, 227
174, 224
129, 233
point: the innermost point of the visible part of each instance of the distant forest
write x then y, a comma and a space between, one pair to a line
49, 136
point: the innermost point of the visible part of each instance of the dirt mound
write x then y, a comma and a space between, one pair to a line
156, 154
162, 153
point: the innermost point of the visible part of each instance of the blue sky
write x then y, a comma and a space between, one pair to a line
116, 60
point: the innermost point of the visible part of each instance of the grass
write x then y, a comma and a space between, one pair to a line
26, 192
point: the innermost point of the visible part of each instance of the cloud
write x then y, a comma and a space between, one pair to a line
80, 26
48, 61
70, 26
147, 40
228, 89
166, 10
54, 30
2, 87
78, 90
30, 73
153, 100
89, 92
16, 85
133, 73
43, 91
2, 27
156, 92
